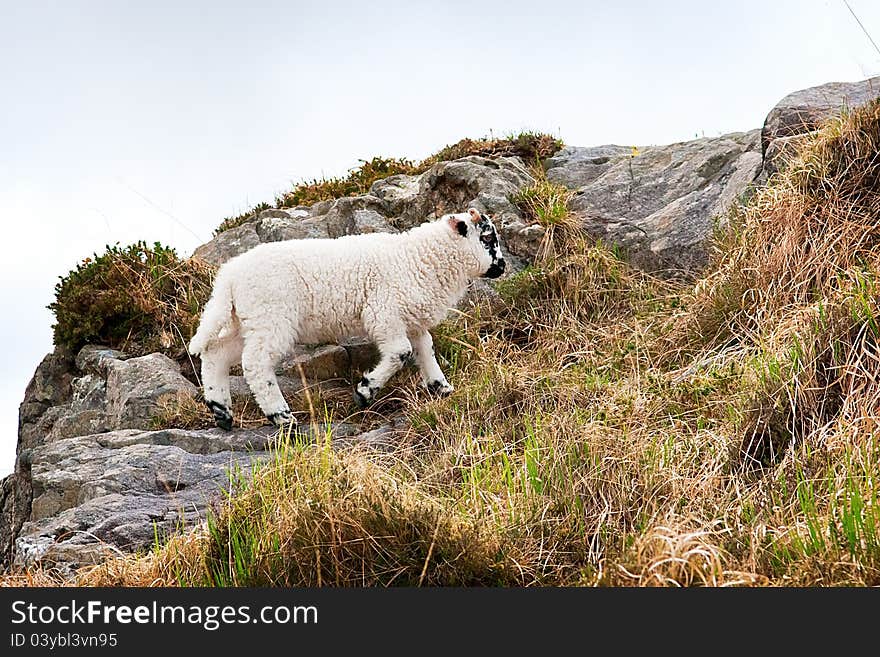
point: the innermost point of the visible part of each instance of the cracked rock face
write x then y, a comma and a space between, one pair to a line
659, 203
118, 491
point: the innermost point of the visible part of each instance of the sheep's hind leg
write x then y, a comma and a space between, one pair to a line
216, 361
432, 376
394, 353
258, 365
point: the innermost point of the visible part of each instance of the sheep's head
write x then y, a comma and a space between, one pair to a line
481, 241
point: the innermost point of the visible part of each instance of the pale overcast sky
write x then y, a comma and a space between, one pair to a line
154, 122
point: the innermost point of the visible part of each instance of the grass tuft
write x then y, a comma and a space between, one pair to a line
137, 298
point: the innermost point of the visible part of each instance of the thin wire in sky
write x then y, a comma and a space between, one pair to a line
867, 34
160, 209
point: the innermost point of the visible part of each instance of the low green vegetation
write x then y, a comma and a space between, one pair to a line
137, 298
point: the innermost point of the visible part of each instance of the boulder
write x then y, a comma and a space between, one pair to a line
136, 386
97, 495
318, 363
228, 244
278, 225
803, 111
659, 202
15, 508
93, 359
355, 215
800, 113
49, 386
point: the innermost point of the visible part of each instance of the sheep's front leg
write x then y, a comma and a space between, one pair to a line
432, 376
394, 353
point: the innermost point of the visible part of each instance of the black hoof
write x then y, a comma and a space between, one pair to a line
440, 388
281, 419
222, 415
360, 399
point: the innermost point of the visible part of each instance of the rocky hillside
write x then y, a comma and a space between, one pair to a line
100, 466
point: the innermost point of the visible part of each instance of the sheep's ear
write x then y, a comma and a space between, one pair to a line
458, 225
475, 215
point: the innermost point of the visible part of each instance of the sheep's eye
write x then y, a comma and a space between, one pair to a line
486, 238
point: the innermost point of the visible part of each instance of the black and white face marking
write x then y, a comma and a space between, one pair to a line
489, 240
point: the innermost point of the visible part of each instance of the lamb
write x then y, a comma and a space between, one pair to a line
391, 288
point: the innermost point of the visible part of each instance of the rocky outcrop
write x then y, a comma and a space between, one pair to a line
659, 205
94, 475
659, 202
123, 490
392, 204
801, 112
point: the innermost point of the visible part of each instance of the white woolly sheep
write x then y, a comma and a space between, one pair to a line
390, 288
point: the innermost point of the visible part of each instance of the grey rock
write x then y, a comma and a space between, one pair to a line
120, 488
321, 207
228, 244
799, 114
93, 359
89, 392
15, 507
397, 193
318, 363
803, 111
576, 166
289, 386
94, 496
50, 385
660, 205
278, 225
136, 386
393, 204
521, 238
484, 183
34, 434
80, 423
355, 215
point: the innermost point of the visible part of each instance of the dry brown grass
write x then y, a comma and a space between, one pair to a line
794, 290
185, 411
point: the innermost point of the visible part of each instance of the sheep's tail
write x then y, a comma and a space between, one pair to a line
218, 318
